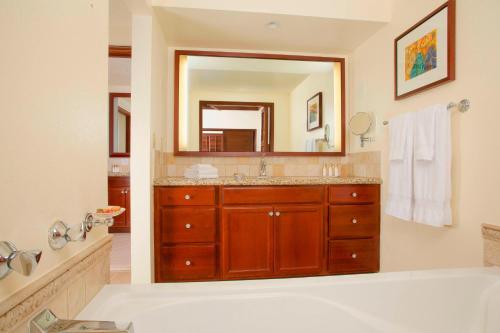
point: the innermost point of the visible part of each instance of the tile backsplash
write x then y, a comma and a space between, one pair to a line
366, 164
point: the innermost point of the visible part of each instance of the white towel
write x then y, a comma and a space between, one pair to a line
201, 171
432, 167
400, 198
425, 131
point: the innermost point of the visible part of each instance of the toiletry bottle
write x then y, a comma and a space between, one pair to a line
330, 170
337, 170
324, 170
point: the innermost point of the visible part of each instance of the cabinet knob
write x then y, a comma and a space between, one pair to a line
187, 197
278, 213
123, 192
188, 226
354, 256
270, 213
354, 221
188, 262
354, 194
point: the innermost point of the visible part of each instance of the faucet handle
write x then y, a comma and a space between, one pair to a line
23, 262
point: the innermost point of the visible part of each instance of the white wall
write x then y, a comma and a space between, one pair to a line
53, 132
149, 89
476, 160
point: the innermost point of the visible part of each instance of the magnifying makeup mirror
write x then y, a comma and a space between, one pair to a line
360, 124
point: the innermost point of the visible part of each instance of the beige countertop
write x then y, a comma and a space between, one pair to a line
118, 174
254, 181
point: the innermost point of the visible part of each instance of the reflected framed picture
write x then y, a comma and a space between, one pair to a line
315, 112
424, 55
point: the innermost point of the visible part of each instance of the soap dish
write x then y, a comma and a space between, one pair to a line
107, 215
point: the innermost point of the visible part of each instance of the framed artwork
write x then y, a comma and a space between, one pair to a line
315, 112
424, 55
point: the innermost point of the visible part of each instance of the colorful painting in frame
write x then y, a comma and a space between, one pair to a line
315, 112
424, 55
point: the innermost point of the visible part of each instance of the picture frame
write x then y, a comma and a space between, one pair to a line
315, 112
424, 55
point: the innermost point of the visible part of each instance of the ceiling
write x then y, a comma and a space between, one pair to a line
220, 29
244, 81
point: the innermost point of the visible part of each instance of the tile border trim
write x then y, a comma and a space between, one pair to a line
20, 307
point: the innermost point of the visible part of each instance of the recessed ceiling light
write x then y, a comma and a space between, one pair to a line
273, 25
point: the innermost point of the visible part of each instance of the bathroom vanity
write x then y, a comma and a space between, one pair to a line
224, 229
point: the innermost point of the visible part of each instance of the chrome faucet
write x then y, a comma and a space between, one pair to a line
47, 322
262, 168
11, 259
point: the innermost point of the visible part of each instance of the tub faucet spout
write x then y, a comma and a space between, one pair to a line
47, 322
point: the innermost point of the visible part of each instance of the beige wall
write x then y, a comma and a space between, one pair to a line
475, 148
53, 128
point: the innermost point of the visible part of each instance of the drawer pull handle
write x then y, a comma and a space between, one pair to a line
354, 194
270, 213
278, 213
188, 226
354, 221
354, 256
187, 197
188, 262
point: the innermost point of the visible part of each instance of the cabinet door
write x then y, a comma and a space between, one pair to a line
118, 197
247, 241
299, 239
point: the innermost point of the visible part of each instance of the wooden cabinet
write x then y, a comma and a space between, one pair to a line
244, 232
299, 240
354, 228
186, 233
119, 195
247, 242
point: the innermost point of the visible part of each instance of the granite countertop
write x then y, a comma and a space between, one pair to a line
118, 174
252, 181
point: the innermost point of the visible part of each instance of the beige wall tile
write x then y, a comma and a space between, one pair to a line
76, 297
278, 170
59, 304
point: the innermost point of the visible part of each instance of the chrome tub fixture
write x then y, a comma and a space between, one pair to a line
61, 234
11, 259
47, 322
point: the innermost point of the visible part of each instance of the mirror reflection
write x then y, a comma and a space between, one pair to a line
120, 115
252, 105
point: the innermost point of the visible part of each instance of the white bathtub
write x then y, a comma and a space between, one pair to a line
444, 301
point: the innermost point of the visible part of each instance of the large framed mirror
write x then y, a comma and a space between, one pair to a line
249, 104
119, 81
119, 124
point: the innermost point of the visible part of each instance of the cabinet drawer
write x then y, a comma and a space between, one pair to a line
193, 262
353, 256
354, 194
187, 196
354, 221
188, 224
272, 194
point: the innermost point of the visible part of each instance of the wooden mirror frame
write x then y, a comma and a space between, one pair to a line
117, 51
112, 153
179, 53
